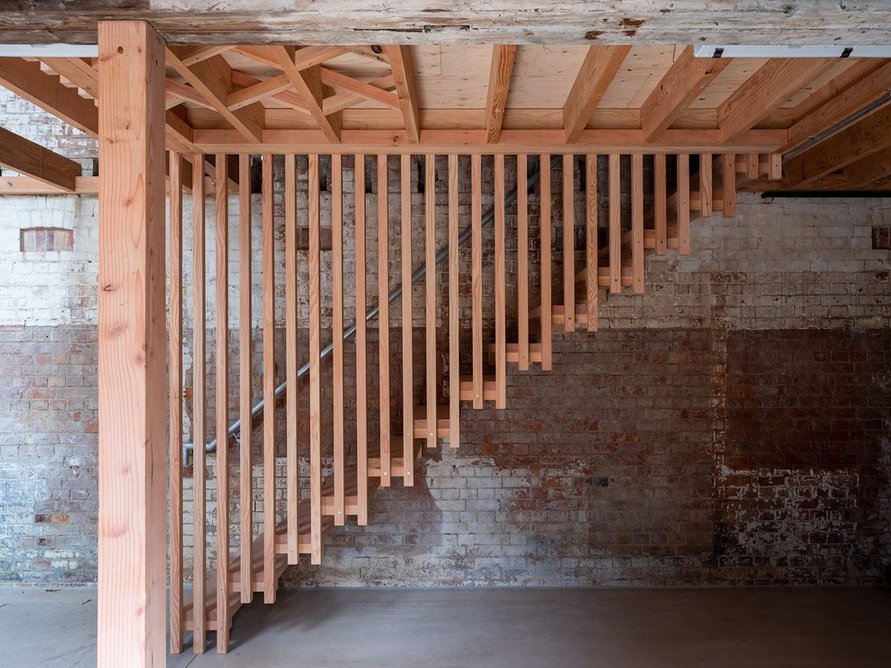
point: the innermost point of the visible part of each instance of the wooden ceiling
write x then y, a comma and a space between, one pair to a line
503, 98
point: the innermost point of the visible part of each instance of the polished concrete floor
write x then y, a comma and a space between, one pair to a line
496, 627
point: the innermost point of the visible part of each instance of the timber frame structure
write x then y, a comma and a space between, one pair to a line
186, 111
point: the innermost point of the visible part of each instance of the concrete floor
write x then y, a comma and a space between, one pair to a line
496, 627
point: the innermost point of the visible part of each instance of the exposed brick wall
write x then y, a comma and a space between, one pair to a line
621, 466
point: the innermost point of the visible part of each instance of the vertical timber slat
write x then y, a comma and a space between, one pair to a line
221, 207
337, 332
476, 274
545, 261
568, 244
132, 365
291, 452
430, 294
705, 184
175, 334
591, 285
523, 261
383, 288
683, 203
199, 394
315, 389
500, 289
615, 222
245, 374
637, 223
268, 231
454, 310
361, 347
408, 418
728, 185
661, 203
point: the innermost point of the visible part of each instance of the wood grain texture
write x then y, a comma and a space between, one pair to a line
615, 225
523, 261
408, 402
595, 75
383, 289
221, 210
545, 261
430, 292
337, 336
399, 57
728, 184
132, 352
660, 205
683, 203
500, 70
476, 275
245, 375
361, 347
292, 464
569, 242
591, 247
26, 157
268, 231
454, 309
315, 381
705, 184
175, 385
637, 223
500, 288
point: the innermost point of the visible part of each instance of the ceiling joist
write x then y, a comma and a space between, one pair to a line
500, 71
595, 75
404, 78
311, 89
38, 162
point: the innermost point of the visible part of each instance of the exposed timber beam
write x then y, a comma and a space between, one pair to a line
595, 75
503, 56
78, 71
132, 351
360, 88
192, 55
771, 85
36, 161
349, 99
309, 86
846, 104
303, 58
28, 81
474, 141
870, 136
685, 80
400, 60
213, 79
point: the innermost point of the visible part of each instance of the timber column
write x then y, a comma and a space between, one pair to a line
132, 372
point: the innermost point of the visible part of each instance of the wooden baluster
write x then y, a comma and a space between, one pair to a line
752, 166
269, 580
175, 333
199, 391
245, 375
683, 204
222, 402
337, 333
728, 185
661, 203
705, 184
383, 289
775, 166
315, 388
361, 347
615, 225
454, 310
545, 254
500, 289
430, 293
523, 262
637, 223
591, 285
292, 463
568, 245
408, 406
476, 274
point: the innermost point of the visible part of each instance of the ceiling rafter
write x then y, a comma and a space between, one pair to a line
349, 99
771, 85
192, 55
32, 159
308, 83
400, 60
595, 75
213, 79
685, 80
303, 58
503, 56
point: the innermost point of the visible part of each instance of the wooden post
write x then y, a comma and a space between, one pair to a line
132, 366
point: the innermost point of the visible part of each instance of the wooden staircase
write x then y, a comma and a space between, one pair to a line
612, 268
